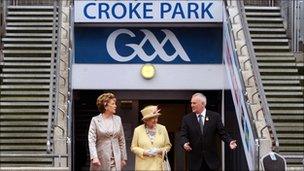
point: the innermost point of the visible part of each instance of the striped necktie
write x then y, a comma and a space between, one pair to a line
200, 121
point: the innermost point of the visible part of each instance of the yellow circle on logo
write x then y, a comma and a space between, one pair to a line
148, 71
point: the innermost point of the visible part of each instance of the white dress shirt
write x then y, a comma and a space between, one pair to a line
203, 114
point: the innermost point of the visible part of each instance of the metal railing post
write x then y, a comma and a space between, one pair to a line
70, 94
51, 82
256, 72
242, 81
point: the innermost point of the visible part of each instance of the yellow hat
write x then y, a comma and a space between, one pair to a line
150, 112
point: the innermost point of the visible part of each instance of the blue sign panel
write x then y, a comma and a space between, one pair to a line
153, 45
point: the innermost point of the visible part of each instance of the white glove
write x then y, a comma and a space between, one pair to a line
152, 151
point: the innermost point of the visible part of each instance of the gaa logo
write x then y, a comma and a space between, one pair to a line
140, 52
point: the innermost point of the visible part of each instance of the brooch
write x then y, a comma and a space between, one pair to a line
207, 119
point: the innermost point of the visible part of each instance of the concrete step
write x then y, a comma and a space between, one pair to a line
267, 35
290, 129
22, 40
300, 64
30, 24
24, 87
9, 18
267, 30
26, 59
295, 125
23, 117
26, 70
284, 93
35, 168
28, 52
28, 45
291, 148
270, 40
29, 75
263, 14
293, 156
280, 82
23, 141
275, 54
276, 70
264, 19
282, 77
292, 136
21, 7
266, 25
23, 123
271, 47
286, 118
277, 64
276, 59
24, 99
297, 167
11, 166
22, 160
287, 111
23, 135
30, 64
23, 129
29, 28
16, 104
24, 111
24, 13
24, 93
30, 35
23, 81
262, 8
286, 100
286, 88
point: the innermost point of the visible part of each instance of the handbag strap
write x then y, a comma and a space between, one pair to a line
165, 155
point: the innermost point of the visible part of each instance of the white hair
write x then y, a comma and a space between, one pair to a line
202, 97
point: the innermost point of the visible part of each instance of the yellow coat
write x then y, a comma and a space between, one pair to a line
141, 143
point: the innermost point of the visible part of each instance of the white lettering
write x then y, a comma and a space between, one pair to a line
140, 52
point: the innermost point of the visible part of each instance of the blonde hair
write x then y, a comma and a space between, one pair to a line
103, 100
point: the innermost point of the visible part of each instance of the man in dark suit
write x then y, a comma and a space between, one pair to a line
198, 134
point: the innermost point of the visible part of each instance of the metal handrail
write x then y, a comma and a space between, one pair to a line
242, 81
69, 103
70, 95
257, 75
57, 91
67, 98
58, 76
51, 109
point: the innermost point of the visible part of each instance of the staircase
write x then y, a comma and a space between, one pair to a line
281, 80
26, 89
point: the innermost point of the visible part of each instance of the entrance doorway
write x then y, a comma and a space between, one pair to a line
172, 113
173, 104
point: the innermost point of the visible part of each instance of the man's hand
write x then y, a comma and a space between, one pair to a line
232, 144
123, 163
187, 147
96, 162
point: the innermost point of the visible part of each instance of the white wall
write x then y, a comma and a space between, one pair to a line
168, 77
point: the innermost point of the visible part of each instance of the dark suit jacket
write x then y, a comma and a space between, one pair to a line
203, 145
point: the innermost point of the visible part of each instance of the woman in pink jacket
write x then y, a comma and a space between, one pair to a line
106, 137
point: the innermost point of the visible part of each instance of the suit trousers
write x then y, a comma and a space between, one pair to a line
204, 166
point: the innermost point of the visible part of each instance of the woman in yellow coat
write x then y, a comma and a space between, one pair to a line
150, 141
